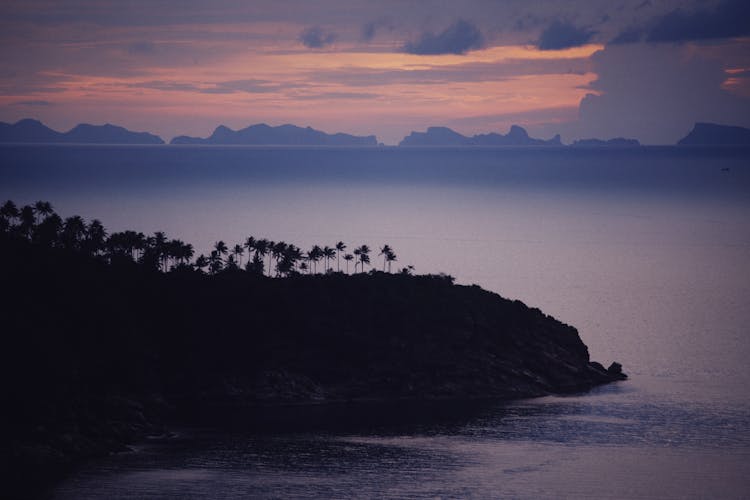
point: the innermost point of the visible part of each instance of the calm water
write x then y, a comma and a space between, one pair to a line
646, 252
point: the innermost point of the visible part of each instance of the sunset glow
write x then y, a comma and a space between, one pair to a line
186, 72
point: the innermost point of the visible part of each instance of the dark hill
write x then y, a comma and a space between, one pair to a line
443, 136
108, 134
33, 131
710, 134
286, 135
98, 354
598, 143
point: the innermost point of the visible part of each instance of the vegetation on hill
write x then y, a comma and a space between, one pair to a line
102, 346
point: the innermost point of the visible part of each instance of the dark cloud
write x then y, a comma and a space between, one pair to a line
564, 35
458, 38
165, 85
655, 92
630, 35
315, 38
370, 29
730, 18
141, 48
33, 103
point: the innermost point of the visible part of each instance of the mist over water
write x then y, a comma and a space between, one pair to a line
646, 251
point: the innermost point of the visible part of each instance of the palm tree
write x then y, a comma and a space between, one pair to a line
313, 256
28, 220
237, 252
187, 252
221, 248
73, 232
201, 262
96, 237
42, 209
364, 257
348, 257
340, 247
159, 246
9, 211
317, 255
328, 254
48, 231
262, 247
215, 263
294, 254
384, 252
391, 258
277, 251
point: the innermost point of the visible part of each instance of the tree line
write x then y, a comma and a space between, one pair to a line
39, 224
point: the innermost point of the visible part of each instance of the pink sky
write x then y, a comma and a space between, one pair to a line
175, 68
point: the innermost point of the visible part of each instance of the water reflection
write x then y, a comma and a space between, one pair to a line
604, 444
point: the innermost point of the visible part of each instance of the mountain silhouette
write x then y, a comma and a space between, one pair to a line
711, 134
617, 142
444, 136
34, 131
283, 135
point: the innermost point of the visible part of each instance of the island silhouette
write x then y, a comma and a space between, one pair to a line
443, 136
109, 335
283, 135
33, 131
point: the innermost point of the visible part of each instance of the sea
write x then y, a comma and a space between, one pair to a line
646, 251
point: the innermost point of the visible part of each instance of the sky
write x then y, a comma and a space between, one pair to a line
644, 69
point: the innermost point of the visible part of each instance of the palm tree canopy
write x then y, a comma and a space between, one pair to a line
9, 209
43, 208
261, 246
221, 247
340, 246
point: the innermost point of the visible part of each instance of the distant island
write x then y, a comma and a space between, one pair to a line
598, 143
283, 135
444, 136
108, 334
711, 134
34, 131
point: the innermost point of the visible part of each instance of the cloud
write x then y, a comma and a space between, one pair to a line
250, 86
33, 103
458, 38
338, 95
370, 29
564, 35
466, 72
728, 19
141, 48
655, 92
315, 38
